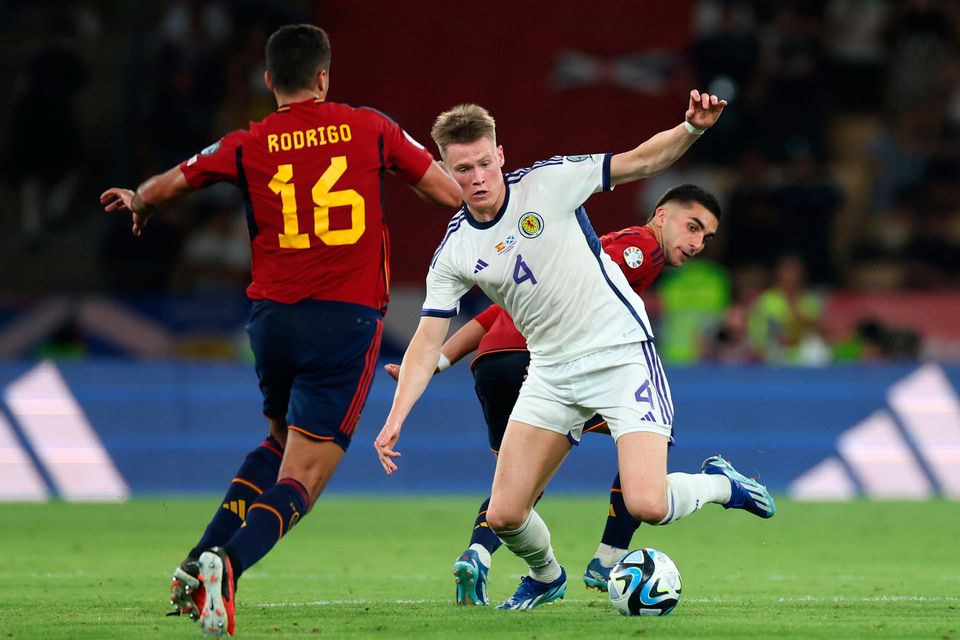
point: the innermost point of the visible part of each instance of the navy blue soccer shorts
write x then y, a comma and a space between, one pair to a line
315, 360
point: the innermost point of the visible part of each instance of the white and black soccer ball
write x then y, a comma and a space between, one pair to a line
645, 582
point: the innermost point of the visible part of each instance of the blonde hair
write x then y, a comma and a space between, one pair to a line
463, 124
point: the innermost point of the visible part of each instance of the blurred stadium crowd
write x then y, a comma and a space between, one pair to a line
838, 165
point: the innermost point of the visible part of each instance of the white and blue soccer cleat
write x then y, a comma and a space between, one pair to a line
745, 493
533, 593
470, 574
596, 575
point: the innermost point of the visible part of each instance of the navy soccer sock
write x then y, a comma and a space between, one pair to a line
268, 519
482, 534
257, 474
620, 525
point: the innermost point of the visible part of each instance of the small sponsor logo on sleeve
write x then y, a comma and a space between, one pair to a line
633, 256
212, 149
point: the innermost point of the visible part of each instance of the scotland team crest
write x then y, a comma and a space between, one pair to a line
633, 257
531, 225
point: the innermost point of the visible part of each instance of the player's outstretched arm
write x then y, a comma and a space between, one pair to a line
419, 363
663, 149
460, 344
438, 187
148, 198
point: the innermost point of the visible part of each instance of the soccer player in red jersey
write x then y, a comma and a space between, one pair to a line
310, 175
685, 218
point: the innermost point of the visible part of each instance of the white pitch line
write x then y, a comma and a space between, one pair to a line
798, 599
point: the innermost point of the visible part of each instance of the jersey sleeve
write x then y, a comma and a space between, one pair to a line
488, 316
216, 163
634, 254
403, 155
444, 290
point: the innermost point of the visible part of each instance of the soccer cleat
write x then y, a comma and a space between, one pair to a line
470, 574
187, 594
216, 574
596, 575
533, 593
745, 493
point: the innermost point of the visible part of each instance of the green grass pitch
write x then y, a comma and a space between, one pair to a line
361, 567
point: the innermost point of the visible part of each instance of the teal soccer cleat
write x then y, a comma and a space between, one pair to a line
470, 574
596, 575
533, 593
745, 493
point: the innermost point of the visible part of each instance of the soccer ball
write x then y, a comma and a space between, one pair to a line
644, 583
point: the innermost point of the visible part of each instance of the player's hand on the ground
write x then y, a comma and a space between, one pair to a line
384, 445
704, 109
117, 199
393, 370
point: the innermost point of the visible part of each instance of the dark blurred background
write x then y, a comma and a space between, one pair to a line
837, 161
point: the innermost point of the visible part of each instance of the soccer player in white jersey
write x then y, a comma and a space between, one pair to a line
525, 240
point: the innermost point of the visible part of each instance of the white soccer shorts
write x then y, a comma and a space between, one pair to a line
625, 384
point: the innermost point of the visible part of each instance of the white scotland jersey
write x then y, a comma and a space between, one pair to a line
540, 259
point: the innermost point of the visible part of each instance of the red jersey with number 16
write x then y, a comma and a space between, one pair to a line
634, 249
310, 174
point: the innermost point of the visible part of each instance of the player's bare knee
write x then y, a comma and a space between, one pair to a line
505, 520
647, 508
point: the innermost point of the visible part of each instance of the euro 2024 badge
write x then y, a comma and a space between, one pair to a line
207, 151
531, 225
633, 257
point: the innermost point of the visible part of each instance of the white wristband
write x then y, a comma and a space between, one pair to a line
443, 363
692, 130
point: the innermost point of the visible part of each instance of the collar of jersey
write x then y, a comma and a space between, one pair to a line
476, 224
286, 107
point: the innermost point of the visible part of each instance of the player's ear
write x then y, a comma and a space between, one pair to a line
660, 215
267, 81
500, 157
323, 81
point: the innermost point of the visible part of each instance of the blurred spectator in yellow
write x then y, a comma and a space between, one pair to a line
690, 299
875, 340
785, 320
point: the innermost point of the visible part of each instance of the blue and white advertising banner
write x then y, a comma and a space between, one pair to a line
99, 430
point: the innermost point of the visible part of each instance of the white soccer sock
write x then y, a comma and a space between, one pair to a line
532, 543
483, 554
687, 492
608, 555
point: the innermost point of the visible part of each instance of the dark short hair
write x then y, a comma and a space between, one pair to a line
688, 193
296, 53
